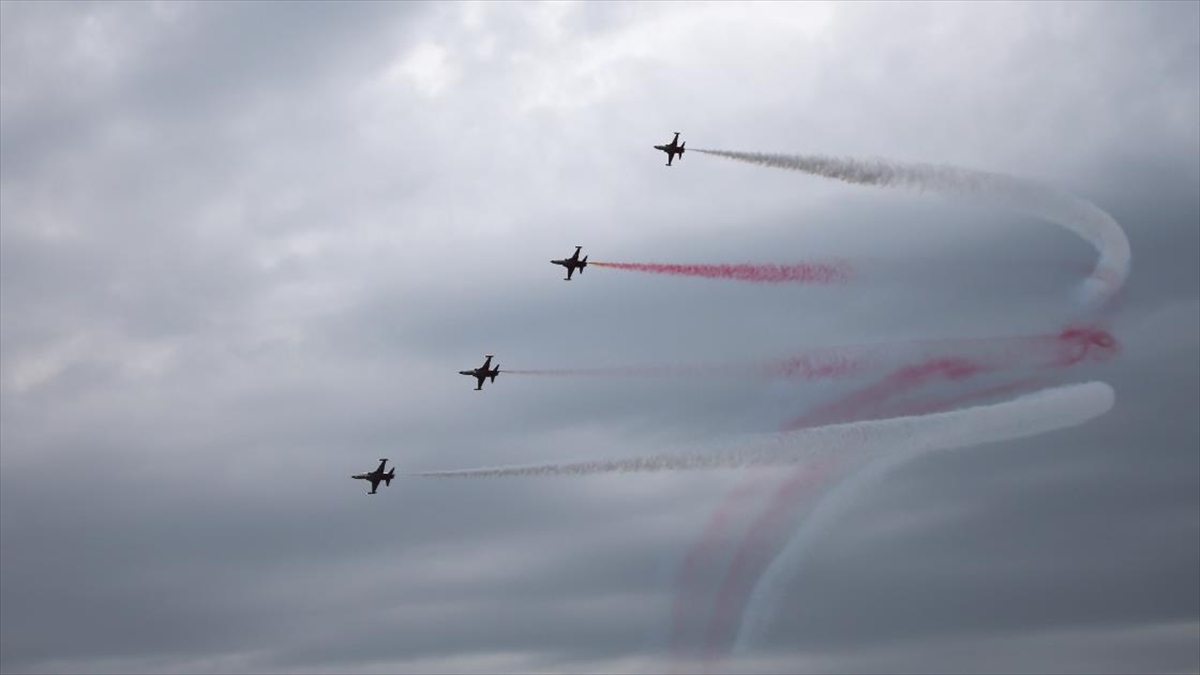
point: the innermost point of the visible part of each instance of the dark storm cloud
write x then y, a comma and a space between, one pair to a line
245, 248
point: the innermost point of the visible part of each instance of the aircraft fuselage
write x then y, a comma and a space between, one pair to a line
573, 263
672, 149
377, 476
482, 373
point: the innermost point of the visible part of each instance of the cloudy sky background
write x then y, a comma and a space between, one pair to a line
245, 247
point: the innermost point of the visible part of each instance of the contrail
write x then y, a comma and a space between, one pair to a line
1028, 415
810, 273
1078, 215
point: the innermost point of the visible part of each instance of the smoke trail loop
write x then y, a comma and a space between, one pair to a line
1071, 347
1078, 215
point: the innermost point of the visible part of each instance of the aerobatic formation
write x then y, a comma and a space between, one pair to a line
836, 449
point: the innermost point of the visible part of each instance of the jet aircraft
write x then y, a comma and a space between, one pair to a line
672, 149
572, 263
482, 373
377, 475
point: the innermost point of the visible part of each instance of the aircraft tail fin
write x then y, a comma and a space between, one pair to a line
387, 480
681, 146
583, 264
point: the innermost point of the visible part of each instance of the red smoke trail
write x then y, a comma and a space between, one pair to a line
961, 360
756, 551
749, 557
683, 607
951, 360
1071, 346
1067, 347
1077, 343
809, 273
949, 403
855, 405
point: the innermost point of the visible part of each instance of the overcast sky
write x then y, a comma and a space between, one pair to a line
245, 247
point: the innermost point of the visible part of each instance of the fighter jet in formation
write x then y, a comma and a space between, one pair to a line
482, 373
486, 371
672, 149
573, 263
377, 475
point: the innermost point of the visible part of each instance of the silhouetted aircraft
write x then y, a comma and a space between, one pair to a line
482, 373
573, 263
675, 148
377, 475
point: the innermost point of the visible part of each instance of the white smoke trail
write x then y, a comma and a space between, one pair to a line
1057, 408
1078, 215
1028, 415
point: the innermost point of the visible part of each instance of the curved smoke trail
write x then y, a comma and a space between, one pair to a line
1091, 400
1078, 215
1028, 415
1073, 346
803, 486
1099, 289
685, 606
1069, 348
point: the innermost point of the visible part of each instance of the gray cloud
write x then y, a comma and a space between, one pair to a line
244, 248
